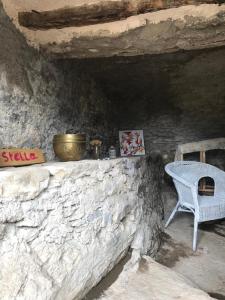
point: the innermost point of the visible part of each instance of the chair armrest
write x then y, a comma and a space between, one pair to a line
193, 189
190, 185
187, 183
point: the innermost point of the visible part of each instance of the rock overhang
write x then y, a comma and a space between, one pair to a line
186, 27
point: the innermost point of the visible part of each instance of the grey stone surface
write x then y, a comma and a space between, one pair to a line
39, 98
174, 98
63, 226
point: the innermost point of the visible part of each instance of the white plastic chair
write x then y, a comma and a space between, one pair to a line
186, 176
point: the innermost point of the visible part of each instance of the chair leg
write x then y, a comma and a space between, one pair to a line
172, 214
195, 235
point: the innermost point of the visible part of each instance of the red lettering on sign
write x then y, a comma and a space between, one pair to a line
17, 156
33, 156
4, 155
25, 155
21, 156
11, 156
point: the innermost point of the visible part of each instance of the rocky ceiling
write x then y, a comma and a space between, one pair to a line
104, 28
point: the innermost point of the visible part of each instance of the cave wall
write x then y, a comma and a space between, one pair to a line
175, 98
39, 98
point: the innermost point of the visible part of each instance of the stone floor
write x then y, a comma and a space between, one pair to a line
204, 269
149, 280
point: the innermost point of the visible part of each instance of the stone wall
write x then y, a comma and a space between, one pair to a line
39, 98
63, 226
175, 98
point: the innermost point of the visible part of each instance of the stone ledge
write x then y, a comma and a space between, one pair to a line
63, 226
26, 183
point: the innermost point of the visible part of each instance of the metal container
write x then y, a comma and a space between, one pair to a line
112, 152
68, 147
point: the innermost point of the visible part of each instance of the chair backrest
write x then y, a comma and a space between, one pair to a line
201, 146
191, 172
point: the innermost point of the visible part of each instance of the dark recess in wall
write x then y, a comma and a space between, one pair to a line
175, 98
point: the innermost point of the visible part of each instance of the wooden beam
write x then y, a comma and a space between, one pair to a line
105, 11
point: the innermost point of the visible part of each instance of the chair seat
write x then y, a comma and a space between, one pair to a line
211, 207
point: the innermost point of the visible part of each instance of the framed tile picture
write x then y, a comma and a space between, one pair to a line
131, 142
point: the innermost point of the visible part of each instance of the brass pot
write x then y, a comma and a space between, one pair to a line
69, 147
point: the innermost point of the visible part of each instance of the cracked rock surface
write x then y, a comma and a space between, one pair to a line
63, 226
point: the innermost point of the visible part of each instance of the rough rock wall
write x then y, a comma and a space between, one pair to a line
63, 226
39, 99
149, 189
175, 98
